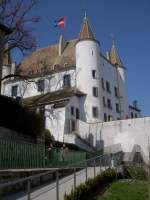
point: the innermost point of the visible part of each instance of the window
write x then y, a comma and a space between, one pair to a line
95, 112
14, 90
77, 113
132, 115
105, 117
95, 91
110, 118
102, 81
56, 66
116, 92
135, 115
94, 74
66, 81
72, 110
108, 86
73, 125
117, 108
104, 102
40, 85
109, 104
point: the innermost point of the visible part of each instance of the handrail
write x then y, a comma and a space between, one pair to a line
46, 173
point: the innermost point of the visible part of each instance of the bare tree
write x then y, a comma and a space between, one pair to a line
15, 15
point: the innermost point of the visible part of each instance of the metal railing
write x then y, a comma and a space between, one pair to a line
101, 162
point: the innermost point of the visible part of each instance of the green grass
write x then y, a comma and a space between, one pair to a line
126, 190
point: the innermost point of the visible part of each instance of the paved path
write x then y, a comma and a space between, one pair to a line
48, 192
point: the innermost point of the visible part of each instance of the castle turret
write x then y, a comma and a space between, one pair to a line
121, 80
87, 69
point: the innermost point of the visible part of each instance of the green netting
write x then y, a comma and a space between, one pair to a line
15, 155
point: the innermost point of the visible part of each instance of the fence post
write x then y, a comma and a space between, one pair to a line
29, 189
105, 161
74, 178
100, 164
86, 177
94, 168
57, 185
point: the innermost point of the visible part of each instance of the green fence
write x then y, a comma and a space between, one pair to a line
18, 155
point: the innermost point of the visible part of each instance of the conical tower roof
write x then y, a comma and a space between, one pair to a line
86, 31
114, 56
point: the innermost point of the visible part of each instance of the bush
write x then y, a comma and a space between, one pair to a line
84, 190
136, 172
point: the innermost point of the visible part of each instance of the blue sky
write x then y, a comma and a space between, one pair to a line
127, 20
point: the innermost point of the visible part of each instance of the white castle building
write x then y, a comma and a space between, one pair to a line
72, 83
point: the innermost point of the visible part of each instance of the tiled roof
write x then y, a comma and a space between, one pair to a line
115, 58
52, 97
86, 31
46, 58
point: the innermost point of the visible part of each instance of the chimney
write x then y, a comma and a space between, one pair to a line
62, 45
13, 68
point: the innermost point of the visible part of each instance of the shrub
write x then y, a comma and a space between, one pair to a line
84, 190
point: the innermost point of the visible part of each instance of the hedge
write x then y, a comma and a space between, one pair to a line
84, 190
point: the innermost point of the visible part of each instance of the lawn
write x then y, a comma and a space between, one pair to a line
126, 190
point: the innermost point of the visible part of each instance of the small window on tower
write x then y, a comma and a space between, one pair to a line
95, 91
108, 87
92, 52
103, 86
95, 112
104, 102
116, 92
109, 104
94, 74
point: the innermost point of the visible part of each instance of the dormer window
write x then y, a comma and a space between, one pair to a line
67, 80
31, 72
66, 65
40, 85
56, 66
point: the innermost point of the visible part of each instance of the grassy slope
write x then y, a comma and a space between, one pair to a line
126, 190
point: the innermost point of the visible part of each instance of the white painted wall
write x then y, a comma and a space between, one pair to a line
128, 133
123, 92
109, 73
87, 59
55, 121
28, 88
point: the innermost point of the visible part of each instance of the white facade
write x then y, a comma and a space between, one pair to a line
99, 88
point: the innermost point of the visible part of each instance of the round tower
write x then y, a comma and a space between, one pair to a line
87, 72
122, 82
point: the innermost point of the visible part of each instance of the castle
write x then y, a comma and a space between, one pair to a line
72, 83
